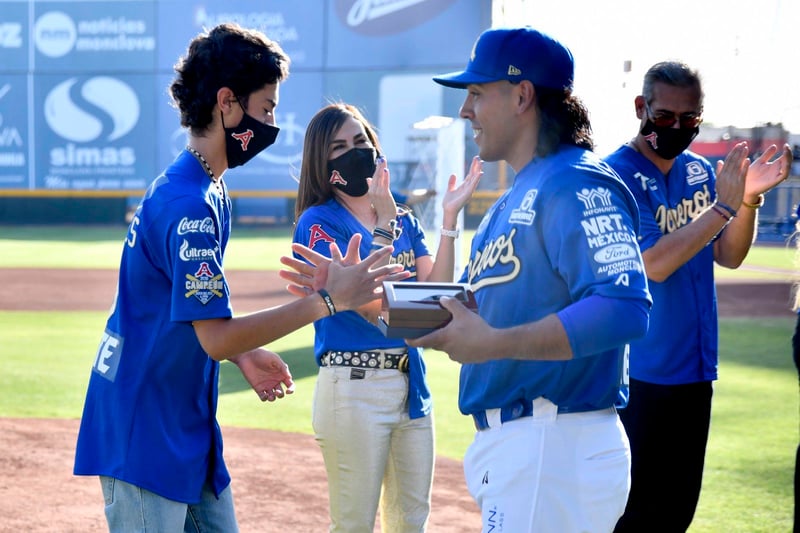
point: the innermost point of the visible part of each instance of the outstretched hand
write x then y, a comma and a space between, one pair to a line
266, 373
311, 275
350, 281
457, 196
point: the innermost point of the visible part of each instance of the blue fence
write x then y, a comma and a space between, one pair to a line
776, 219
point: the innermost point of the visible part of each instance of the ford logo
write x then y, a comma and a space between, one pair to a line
614, 253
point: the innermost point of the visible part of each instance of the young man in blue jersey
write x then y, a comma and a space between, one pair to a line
149, 427
690, 218
554, 264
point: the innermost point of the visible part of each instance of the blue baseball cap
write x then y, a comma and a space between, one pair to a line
515, 54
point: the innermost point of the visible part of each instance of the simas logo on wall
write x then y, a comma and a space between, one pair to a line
386, 17
56, 34
96, 110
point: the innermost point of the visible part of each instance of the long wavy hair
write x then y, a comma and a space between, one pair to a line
564, 119
314, 186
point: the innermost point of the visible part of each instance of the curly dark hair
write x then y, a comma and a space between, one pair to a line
564, 120
226, 56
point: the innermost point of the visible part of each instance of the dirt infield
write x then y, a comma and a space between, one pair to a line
278, 478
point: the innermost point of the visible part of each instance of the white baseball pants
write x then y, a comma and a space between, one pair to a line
550, 472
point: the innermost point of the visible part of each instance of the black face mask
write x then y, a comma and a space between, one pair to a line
349, 171
668, 143
246, 140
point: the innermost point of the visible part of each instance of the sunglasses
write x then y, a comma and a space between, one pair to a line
667, 119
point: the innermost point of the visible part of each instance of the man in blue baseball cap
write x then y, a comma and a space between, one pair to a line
553, 265
514, 55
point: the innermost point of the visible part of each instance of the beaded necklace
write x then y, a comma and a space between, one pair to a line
207, 168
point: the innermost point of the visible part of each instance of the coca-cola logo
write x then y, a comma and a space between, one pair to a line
205, 225
385, 17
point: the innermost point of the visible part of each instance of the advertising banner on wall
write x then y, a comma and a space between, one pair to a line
84, 101
91, 36
94, 131
296, 25
14, 138
403, 33
14, 37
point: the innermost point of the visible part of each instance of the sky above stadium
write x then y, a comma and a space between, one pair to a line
746, 52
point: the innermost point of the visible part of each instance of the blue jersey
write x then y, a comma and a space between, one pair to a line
150, 413
317, 228
563, 232
681, 342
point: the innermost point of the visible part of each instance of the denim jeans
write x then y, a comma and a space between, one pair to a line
133, 509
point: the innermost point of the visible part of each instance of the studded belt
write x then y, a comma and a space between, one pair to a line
372, 360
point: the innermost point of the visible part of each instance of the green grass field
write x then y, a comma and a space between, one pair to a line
750, 459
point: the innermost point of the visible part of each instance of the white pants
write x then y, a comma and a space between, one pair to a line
368, 442
550, 472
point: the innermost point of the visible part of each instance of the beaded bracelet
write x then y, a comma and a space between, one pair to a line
328, 301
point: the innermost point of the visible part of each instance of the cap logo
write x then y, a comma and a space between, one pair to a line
513, 71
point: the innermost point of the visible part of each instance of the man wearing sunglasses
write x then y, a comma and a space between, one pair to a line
691, 216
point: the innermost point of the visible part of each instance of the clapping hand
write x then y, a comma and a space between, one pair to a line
763, 174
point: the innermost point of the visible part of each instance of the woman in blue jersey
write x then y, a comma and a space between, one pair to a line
372, 407
149, 428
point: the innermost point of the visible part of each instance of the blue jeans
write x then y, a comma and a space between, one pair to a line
133, 509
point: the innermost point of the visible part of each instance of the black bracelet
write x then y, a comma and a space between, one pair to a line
386, 234
727, 208
328, 301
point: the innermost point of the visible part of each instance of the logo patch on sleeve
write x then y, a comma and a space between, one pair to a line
204, 285
317, 234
